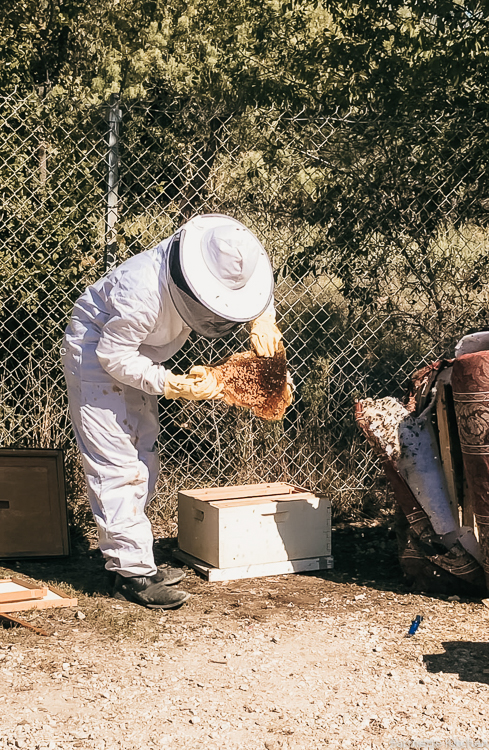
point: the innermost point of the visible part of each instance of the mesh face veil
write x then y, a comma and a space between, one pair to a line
195, 314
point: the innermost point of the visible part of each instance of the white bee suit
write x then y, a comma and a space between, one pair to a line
214, 274
121, 330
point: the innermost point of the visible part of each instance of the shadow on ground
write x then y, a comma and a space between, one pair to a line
84, 572
470, 659
366, 554
363, 554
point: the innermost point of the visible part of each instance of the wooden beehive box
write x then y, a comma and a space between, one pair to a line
33, 519
252, 525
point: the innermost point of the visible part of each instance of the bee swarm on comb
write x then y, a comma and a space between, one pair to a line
256, 383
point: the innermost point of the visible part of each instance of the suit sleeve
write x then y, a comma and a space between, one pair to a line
128, 326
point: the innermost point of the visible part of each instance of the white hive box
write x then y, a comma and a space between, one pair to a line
255, 525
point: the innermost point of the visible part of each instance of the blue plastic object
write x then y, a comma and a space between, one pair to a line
415, 625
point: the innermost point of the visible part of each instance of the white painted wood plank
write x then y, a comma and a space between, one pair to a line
12, 590
255, 571
53, 598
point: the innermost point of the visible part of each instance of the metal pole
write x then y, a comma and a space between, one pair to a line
114, 116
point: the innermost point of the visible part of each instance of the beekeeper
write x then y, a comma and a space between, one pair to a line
209, 277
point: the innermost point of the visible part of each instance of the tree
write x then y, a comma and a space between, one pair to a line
409, 161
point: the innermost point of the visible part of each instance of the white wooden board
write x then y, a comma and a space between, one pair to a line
52, 597
15, 589
255, 571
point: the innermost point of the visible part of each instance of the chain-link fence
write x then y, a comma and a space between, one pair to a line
377, 232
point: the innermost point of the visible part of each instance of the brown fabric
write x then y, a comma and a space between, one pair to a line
406, 501
470, 384
461, 564
425, 562
256, 383
442, 573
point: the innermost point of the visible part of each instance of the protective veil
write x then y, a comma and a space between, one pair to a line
197, 316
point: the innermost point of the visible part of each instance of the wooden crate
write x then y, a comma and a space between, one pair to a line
251, 525
33, 519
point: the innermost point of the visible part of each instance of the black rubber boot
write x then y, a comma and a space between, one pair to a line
148, 591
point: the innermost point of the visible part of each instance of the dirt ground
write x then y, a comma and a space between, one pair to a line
300, 662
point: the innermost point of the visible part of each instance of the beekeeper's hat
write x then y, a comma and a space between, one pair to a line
226, 267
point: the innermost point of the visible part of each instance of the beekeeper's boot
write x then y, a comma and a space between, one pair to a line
148, 592
168, 575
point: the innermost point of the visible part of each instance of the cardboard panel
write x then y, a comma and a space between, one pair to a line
33, 519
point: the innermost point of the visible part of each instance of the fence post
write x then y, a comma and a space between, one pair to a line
114, 116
